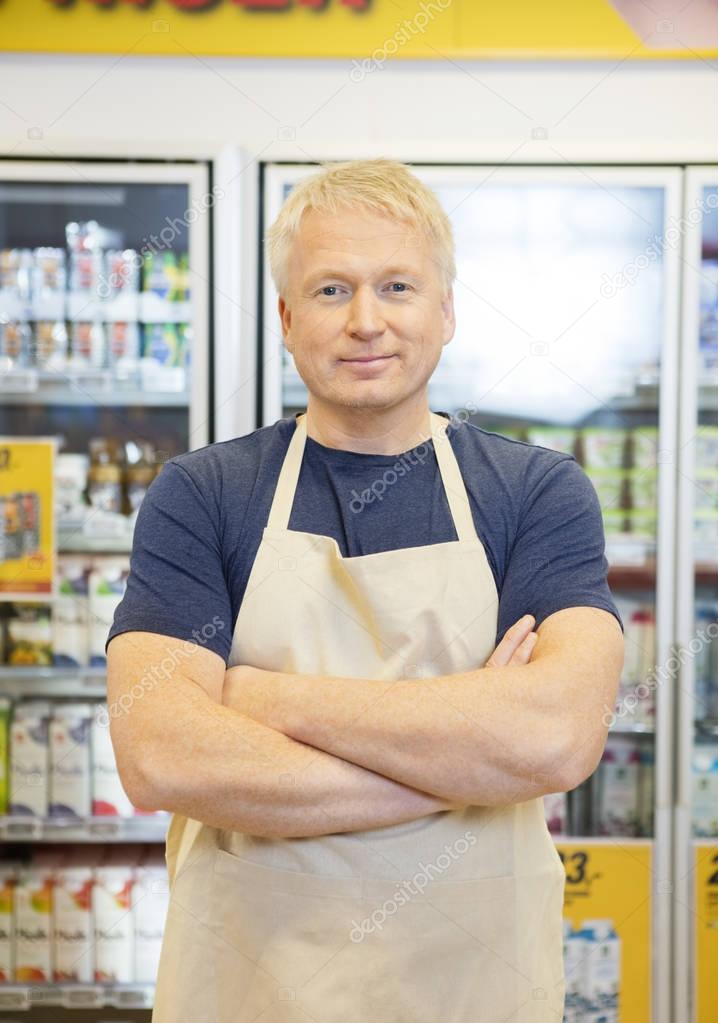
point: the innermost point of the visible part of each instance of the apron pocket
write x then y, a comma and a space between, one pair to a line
352, 950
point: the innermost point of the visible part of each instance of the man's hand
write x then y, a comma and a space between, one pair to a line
516, 646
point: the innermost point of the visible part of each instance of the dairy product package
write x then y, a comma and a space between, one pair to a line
33, 925
601, 971
70, 620
644, 447
114, 929
150, 900
70, 776
557, 438
646, 791
8, 879
70, 485
108, 796
29, 760
5, 713
574, 952
73, 932
107, 583
556, 811
603, 447
642, 488
706, 447
618, 776
705, 790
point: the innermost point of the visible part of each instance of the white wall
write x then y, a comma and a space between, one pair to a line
416, 110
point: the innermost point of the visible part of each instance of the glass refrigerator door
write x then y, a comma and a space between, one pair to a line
696, 654
104, 271
566, 304
103, 325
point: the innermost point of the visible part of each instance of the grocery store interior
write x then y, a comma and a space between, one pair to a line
144, 150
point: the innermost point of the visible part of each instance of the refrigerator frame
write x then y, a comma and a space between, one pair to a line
196, 176
670, 178
684, 951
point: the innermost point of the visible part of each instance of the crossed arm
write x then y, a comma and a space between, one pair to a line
469, 739
492, 736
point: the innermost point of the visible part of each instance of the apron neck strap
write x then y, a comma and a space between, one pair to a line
452, 479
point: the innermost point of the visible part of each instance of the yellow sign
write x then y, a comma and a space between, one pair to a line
706, 932
611, 882
27, 540
373, 31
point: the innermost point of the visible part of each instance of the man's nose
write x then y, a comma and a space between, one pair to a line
365, 314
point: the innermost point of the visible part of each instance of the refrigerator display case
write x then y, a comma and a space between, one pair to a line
104, 348
567, 336
695, 658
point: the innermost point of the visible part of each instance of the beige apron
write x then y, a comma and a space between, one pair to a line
452, 918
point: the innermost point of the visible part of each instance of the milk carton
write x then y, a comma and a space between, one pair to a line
107, 583
150, 899
70, 618
8, 879
108, 796
602, 972
114, 929
29, 764
556, 810
33, 926
574, 950
705, 790
5, 712
70, 794
618, 787
73, 933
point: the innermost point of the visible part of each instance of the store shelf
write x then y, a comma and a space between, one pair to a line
76, 996
88, 390
71, 541
52, 681
635, 728
92, 829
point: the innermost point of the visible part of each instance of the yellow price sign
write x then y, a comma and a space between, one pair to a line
610, 881
706, 931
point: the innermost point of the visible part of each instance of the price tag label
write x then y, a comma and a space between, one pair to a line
21, 828
14, 998
108, 828
84, 997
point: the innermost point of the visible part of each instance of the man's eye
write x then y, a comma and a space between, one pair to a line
398, 284
327, 287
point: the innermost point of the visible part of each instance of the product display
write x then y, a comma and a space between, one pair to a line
592, 961
65, 917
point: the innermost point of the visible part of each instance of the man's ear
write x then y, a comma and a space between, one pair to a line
449, 314
285, 316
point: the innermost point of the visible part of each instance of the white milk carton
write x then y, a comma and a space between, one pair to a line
573, 953
33, 926
150, 899
556, 811
73, 932
70, 788
108, 796
29, 762
618, 787
705, 790
114, 928
8, 880
107, 583
602, 972
70, 614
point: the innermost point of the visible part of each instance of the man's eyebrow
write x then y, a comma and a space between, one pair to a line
397, 270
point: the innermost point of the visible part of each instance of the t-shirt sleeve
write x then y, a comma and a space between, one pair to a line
176, 586
558, 557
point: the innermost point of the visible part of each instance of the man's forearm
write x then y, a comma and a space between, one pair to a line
214, 765
490, 737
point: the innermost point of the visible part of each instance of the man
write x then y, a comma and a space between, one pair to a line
355, 768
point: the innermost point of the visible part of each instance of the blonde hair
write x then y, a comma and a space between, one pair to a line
384, 186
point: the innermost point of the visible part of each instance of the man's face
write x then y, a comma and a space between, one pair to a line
361, 286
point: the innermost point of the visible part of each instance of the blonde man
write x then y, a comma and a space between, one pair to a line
329, 693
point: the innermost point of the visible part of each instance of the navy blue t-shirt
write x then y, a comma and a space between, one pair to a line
200, 524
